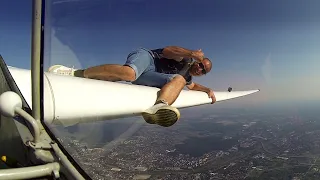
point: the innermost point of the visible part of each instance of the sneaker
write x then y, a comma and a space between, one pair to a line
161, 114
61, 70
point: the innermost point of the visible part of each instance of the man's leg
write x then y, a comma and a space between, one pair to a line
171, 85
108, 72
137, 62
171, 90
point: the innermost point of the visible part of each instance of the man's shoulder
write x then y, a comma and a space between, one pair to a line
188, 61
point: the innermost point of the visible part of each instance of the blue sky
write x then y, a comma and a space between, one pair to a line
272, 45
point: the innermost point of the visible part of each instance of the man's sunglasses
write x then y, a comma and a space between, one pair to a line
203, 69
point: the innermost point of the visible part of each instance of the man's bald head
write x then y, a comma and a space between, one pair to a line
199, 69
207, 64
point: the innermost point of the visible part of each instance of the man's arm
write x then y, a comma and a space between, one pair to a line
197, 87
178, 53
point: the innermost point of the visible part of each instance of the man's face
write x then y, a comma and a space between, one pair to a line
199, 69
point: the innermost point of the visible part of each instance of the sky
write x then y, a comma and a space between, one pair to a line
271, 45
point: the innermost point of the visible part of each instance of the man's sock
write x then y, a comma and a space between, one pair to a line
79, 73
161, 101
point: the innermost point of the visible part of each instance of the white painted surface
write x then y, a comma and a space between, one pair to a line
9, 101
70, 100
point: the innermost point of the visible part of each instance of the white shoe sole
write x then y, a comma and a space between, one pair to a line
52, 68
164, 116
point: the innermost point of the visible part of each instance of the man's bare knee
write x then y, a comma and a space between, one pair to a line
178, 79
128, 73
